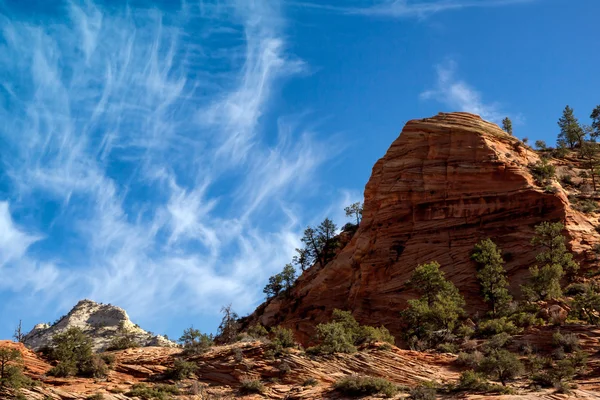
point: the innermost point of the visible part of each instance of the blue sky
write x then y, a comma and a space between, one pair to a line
165, 157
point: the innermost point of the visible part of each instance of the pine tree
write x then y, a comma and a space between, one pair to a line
595, 116
492, 275
590, 152
229, 327
507, 125
439, 306
18, 335
571, 133
544, 283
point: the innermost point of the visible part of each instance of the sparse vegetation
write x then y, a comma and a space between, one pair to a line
365, 385
11, 372
158, 392
344, 333
543, 172
252, 386
181, 370
125, 339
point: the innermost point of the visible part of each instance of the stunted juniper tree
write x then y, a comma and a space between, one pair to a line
571, 134
18, 335
492, 275
355, 211
229, 327
507, 125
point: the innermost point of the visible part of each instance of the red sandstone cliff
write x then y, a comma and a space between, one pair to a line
444, 184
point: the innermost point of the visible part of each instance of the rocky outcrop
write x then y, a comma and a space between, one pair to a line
444, 184
102, 322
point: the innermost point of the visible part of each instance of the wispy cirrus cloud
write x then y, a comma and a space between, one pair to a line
406, 8
139, 135
459, 95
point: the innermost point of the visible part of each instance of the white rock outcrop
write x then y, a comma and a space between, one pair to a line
102, 322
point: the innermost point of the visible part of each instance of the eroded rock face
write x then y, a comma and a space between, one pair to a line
444, 184
102, 322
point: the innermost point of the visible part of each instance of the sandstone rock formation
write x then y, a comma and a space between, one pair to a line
444, 184
102, 322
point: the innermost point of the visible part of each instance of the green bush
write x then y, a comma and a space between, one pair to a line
425, 391
525, 320
158, 392
365, 385
257, 331
543, 172
97, 396
122, 342
181, 370
471, 381
73, 351
109, 359
310, 382
11, 373
502, 365
569, 342
496, 326
447, 348
195, 342
471, 360
333, 338
283, 338
252, 386
497, 341
370, 334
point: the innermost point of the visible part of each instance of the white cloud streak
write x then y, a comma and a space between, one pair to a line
147, 137
405, 8
459, 95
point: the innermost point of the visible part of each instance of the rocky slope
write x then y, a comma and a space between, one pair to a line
223, 369
444, 184
102, 322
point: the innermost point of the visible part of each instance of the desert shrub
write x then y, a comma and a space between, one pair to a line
543, 172
284, 368
497, 341
424, 391
447, 348
370, 334
158, 392
283, 338
471, 381
502, 365
344, 333
122, 343
310, 382
525, 319
496, 326
195, 342
587, 206
465, 331
257, 331
566, 180
560, 152
109, 359
333, 338
252, 386
470, 360
586, 306
238, 354
568, 342
123, 340
73, 351
97, 396
181, 370
365, 385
